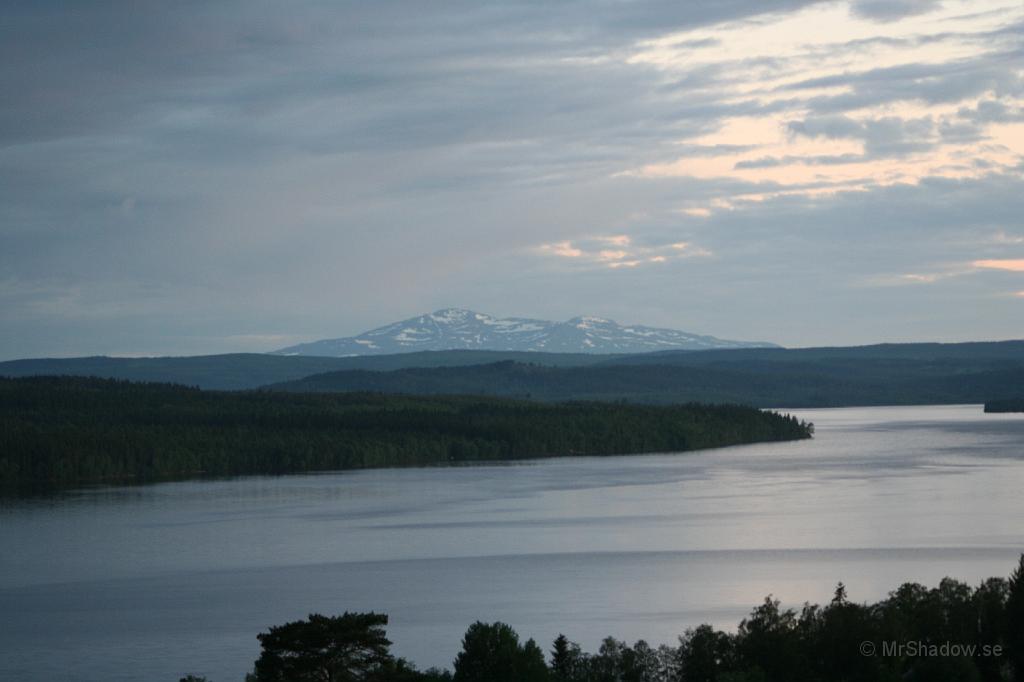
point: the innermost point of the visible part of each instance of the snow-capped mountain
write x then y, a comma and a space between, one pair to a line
454, 328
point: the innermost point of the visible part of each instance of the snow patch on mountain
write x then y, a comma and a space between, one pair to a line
455, 328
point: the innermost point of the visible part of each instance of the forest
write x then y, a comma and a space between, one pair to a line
882, 374
65, 431
1005, 405
954, 632
686, 377
241, 371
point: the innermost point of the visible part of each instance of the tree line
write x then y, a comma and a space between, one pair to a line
1005, 405
710, 376
61, 431
949, 633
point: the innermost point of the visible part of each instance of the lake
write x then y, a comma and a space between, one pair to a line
152, 582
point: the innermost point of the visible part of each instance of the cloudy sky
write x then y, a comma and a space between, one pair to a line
188, 177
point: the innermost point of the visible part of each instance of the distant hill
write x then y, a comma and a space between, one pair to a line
239, 371
925, 373
1005, 405
971, 352
454, 328
817, 377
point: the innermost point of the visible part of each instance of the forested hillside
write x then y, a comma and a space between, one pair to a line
923, 373
865, 382
972, 354
926, 373
67, 430
239, 371
1005, 405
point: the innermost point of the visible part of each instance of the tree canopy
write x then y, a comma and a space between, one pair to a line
346, 648
897, 639
61, 431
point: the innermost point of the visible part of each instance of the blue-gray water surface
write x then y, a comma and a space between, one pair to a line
152, 582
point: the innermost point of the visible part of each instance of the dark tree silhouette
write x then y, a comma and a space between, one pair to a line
59, 431
1005, 405
840, 642
1015, 621
990, 606
566, 660
704, 653
344, 648
492, 653
768, 638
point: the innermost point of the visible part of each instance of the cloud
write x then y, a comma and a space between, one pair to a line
590, 252
1003, 237
1010, 264
830, 127
187, 177
992, 111
891, 10
563, 249
924, 279
817, 160
851, 108
882, 137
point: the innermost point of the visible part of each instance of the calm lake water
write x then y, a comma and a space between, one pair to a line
150, 583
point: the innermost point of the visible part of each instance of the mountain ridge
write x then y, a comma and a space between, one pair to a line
810, 381
869, 367
458, 328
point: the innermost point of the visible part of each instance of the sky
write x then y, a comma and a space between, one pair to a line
206, 177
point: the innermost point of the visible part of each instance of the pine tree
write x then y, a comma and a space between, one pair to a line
1015, 621
492, 653
564, 659
324, 649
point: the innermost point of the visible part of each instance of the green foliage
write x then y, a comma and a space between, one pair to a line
840, 642
567, 661
241, 371
1015, 620
1005, 405
66, 430
351, 647
826, 644
491, 652
770, 640
884, 374
763, 377
322, 649
704, 654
